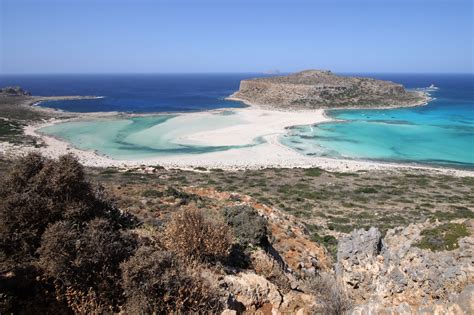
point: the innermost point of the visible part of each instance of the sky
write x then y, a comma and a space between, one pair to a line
157, 36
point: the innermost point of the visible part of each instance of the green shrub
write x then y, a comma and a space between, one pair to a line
366, 190
184, 197
249, 227
313, 172
329, 241
152, 193
442, 237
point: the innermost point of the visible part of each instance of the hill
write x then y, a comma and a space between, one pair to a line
313, 89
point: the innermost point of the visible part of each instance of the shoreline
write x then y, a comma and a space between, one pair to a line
261, 122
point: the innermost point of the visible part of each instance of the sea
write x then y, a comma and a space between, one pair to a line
440, 133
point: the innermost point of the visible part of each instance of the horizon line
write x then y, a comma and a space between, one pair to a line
220, 72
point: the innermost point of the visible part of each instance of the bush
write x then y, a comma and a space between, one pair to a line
313, 172
152, 193
328, 241
184, 197
191, 236
37, 192
248, 226
155, 282
84, 263
330, 294
366, 190
443, 237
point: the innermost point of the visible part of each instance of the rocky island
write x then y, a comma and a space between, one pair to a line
313, 89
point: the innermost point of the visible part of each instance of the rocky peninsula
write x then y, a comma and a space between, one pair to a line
314, 89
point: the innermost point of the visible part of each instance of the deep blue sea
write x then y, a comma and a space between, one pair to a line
441, 133
140, 93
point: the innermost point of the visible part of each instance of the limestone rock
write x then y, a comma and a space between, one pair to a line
462, 305
253, 291
392, 271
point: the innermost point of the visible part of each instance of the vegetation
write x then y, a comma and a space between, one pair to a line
155, 281
66, 248
332, 298
249, 227
191, 235
443, 237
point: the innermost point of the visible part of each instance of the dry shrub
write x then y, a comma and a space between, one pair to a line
155, 281
330, 293
192, 236
84, 302
85, 263
26, 287
60, 236
37, 192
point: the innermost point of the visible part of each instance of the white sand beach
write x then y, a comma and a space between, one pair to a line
253, 122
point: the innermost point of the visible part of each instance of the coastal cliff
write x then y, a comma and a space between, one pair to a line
312, 89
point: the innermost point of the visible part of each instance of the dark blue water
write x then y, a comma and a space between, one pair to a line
138, 93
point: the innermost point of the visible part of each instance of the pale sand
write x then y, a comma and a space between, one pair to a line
266, 123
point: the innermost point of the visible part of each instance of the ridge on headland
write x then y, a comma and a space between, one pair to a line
311, 89
13, 91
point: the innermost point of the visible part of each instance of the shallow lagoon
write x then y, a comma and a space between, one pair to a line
135, 138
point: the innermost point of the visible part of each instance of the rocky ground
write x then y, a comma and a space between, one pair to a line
329, 203
391, 266
420, 265
312, 89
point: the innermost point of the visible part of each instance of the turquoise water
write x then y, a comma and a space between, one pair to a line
137, 138
440, 133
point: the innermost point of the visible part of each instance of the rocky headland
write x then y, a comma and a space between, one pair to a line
13, 91
313, 89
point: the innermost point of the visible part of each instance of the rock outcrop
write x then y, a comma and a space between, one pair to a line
378, 274
312, 89
393, 275
288, 235
13, 91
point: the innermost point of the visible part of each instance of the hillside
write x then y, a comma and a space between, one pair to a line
313, 89
158, 240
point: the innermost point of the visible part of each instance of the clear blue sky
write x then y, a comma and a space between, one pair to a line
105, 36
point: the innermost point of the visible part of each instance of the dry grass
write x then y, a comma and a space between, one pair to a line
330, 293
